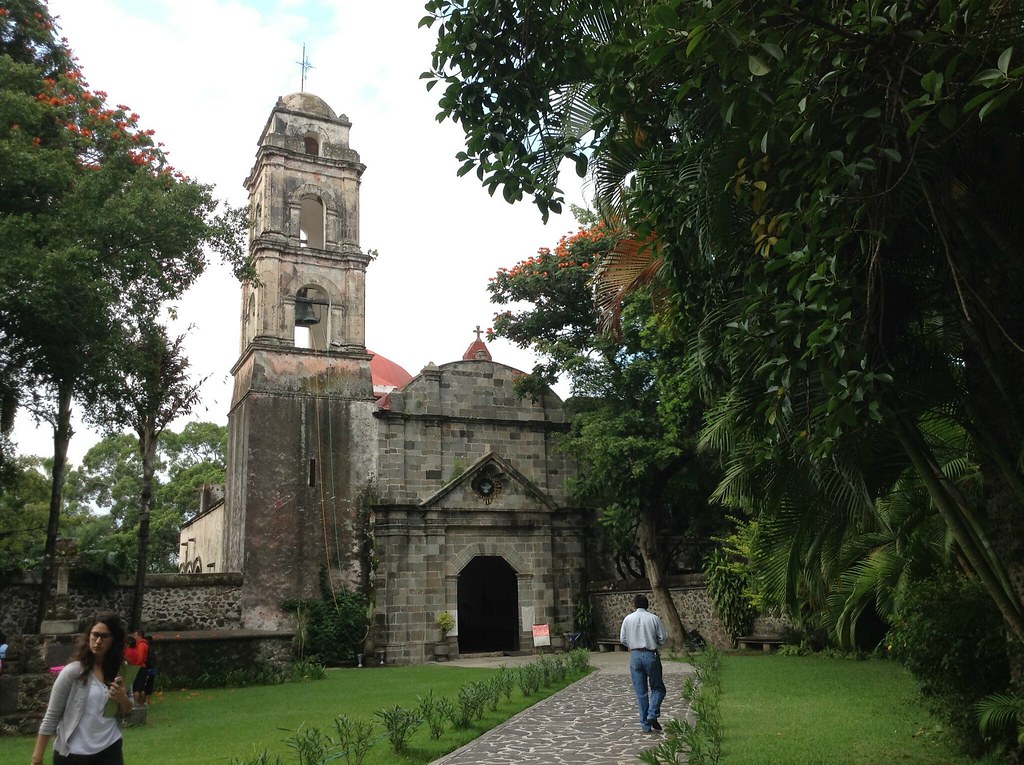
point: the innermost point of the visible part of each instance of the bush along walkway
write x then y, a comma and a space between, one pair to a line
697, 738
593, 721
352, 740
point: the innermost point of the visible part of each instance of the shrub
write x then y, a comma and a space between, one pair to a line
261, 757
445, 624
698, 741
529, 677
355, 738
330, 630
433, 714
579, 660
310, 744
727, 581
470, 702
400, 724
952, 639
305, 670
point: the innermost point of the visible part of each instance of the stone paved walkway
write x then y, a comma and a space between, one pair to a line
593, 721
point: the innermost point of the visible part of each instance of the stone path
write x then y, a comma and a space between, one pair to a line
593, 721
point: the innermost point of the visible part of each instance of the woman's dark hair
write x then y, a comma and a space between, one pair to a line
115, 653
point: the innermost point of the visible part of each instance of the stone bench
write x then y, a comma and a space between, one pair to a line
765, 642
608, 644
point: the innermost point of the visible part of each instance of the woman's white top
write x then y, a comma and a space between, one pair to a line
94, 732
69, 700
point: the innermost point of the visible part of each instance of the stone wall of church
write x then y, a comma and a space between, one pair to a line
301, 451
422, 553
447, 425
448, 417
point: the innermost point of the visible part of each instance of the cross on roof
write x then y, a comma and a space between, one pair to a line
306, 66
478, 331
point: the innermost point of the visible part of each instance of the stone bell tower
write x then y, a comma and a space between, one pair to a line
301, 437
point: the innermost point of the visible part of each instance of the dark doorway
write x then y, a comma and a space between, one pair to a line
488, 606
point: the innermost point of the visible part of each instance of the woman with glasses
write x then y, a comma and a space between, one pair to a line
87, 699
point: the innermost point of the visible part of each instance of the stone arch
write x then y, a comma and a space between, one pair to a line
312, 206
494, 549
312, 222
313, 132
314, 314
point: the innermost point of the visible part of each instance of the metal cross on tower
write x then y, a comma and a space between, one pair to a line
306, 66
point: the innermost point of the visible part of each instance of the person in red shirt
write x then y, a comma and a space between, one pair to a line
136, 650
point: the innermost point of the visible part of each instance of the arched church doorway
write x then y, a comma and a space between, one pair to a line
488, 606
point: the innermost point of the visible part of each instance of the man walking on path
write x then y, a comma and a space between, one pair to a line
643, 633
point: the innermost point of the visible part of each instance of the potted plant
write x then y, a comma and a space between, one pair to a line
445, 624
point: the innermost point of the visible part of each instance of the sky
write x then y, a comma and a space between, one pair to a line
205, 74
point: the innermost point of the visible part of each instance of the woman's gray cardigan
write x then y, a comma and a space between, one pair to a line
67, 703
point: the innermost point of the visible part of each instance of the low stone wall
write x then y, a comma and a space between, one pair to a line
185, 655
194, 619
26, 681
171, 602
612, 601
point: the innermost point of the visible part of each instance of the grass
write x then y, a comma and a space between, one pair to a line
211, 727
788, 710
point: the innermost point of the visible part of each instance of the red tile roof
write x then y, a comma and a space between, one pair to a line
385, 373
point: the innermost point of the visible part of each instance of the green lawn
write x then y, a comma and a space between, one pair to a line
804, 710
218, 726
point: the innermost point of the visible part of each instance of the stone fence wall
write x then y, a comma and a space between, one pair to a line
194, 622
172, 602
183, 656
612, 601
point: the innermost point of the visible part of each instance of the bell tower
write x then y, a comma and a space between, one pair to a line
301, 436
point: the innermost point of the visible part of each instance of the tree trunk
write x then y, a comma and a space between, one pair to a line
650, 551
147, 447
61, 439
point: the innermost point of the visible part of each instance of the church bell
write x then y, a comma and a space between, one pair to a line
304, 315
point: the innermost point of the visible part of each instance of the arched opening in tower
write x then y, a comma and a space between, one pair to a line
311, 223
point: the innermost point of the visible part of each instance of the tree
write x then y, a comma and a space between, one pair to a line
107, 486
633, 428
93, 217
150, 388
23, 503
828, 188
193, 458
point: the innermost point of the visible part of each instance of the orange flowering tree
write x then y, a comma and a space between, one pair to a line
633, 419
99, 231
549, 308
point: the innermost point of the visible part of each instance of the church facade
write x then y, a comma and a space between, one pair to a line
439, 492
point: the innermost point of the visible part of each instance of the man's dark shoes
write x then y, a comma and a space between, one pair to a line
654, 723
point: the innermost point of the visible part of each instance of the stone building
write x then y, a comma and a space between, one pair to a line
440, 492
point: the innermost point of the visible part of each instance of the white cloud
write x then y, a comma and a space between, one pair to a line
206, 73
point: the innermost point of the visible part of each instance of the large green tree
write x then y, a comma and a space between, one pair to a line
148, 389
107, 486
829, 188
633, 424
98, 232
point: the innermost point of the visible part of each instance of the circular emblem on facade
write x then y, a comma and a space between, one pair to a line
487, 487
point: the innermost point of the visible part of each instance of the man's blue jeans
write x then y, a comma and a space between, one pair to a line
645, 669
